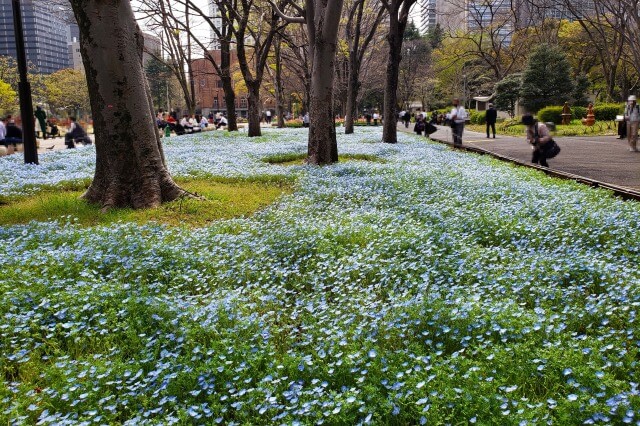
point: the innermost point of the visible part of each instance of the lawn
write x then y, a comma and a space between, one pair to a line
416, 285
575, 128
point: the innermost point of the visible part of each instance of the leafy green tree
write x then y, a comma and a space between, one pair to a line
435, 36
66, 90
580, 90
411, 32
8, 99
9, 71
160, 80
507, 93
546, 79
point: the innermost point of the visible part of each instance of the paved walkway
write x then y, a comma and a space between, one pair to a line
603, 158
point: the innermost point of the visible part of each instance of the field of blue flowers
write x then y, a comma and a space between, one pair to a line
437, 287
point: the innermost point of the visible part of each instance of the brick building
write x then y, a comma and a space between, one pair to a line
209, 93
208, 87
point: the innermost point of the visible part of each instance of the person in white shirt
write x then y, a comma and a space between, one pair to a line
458, 118
3, 130
632, 117
221, 122
204, 122
376, 117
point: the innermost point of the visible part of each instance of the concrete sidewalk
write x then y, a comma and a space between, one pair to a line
602, 158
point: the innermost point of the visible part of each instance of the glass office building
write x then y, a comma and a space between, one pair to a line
46, 33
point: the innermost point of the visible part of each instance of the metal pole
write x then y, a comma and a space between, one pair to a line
26, 106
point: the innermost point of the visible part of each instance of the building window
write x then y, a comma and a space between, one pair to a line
243, 103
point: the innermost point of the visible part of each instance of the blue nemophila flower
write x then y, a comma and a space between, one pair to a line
414, 288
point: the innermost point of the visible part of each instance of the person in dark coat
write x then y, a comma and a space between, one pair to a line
76, 134
492, 116
13, 135
42, 120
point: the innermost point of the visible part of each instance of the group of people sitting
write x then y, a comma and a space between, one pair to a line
11, 135
188, 124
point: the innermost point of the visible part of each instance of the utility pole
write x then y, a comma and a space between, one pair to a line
24, 88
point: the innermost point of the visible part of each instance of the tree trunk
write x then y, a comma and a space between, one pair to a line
394, 38
279, 88
130, 166
352, 96
323, 147
253, 108
227, 86
230, 103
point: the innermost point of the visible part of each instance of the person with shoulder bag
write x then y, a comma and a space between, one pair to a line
538, 135
632, 117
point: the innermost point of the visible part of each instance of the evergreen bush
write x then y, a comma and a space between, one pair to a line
550, 114
607, 112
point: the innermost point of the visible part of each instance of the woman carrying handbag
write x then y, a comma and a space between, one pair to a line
538, 135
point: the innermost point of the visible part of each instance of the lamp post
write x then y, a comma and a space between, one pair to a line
24, 88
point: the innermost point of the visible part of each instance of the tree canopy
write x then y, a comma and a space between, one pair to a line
546, 79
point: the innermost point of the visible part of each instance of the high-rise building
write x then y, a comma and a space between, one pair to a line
45, 34
497, 16
214, 12
448, 14
152, 47
502, 16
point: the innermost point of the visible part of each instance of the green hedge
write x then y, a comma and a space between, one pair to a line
550, 114
602, 112
578, 112
478, 117
607, 112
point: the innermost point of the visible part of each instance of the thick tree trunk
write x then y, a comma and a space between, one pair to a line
130, 167
352, 96
253, 109
394, 38
323, 147
230, 103
227, 86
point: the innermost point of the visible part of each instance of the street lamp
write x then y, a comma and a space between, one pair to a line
24, 88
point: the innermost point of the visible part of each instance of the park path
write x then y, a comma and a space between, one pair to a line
602, 158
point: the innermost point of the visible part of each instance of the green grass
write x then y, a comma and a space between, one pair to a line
296, 159
224, 198
576, 128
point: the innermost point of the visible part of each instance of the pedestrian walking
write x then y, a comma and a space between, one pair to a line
491, 117
376, 117
458, 116
632, 117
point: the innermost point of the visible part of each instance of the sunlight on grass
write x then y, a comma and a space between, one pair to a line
224, 199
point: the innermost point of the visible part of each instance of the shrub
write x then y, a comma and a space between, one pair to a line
607, 112
550, 114
478, 117
578, 112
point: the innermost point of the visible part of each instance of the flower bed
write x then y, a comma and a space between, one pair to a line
437, 287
